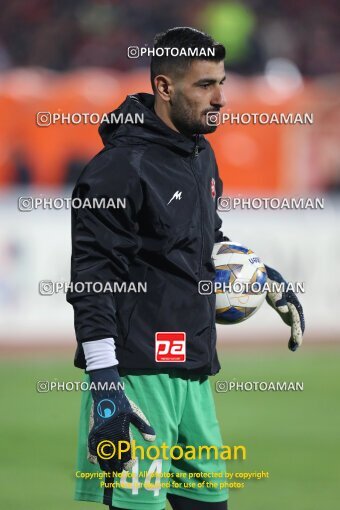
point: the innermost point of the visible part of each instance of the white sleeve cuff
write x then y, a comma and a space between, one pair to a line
100, 354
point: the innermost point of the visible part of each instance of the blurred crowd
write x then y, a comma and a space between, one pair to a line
62, 35
301, 36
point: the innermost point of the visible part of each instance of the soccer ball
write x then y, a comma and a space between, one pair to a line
239, 282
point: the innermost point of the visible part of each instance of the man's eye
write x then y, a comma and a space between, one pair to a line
205, 86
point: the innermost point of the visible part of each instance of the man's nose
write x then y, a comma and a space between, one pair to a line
218, 100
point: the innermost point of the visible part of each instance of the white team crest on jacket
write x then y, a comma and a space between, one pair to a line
213, 188
177, 195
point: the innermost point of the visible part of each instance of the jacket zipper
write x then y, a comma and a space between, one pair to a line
195, 154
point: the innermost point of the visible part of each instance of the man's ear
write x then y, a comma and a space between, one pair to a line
163, 87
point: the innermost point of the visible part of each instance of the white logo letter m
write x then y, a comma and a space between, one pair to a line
177, 195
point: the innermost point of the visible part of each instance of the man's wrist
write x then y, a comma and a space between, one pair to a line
108, 374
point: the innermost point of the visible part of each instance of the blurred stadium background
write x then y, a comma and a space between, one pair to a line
283, 56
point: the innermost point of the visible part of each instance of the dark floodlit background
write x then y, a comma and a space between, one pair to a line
66, 57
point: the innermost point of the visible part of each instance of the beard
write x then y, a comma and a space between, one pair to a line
183, 116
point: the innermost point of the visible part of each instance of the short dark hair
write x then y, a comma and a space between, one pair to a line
183, 37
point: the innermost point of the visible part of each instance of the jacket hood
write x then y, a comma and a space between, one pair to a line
124, 127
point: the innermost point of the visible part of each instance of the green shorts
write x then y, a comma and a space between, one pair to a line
182, 412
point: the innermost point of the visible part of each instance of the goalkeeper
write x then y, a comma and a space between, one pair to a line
149, 356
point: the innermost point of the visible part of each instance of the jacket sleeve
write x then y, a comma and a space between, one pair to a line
104, 241
219, 236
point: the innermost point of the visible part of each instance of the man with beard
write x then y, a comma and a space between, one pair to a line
153, 352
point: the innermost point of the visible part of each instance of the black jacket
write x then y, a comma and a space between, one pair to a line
164, 237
